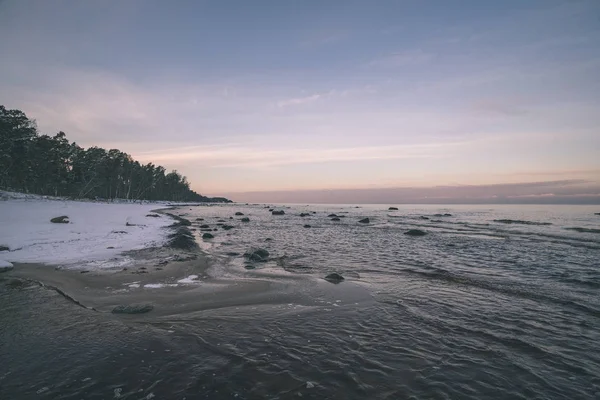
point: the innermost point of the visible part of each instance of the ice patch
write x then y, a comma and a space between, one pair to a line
6, 264
134, 285
158, 285
189, 279
95, 237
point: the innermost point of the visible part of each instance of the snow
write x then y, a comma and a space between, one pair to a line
189, 279
95, 238
158, 285
5, 264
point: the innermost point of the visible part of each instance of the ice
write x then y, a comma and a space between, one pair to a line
4, 264
95, 238
189, 279
158, 285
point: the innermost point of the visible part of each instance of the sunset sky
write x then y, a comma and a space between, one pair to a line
274, 97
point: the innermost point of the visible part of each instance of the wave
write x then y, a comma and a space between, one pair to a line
583, 230
521, 222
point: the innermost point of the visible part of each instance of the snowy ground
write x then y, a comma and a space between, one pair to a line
95, 237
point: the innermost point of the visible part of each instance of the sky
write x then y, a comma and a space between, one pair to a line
323, 101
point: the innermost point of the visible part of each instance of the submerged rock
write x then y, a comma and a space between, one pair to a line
259, 255
4, 248
393, 209
152, 215
423, 217
334, 278
204, 226
335, 219
63, 219
415, 232
5, 266
227, 227
278, 212
239, 213
208, 236
245, 219
182, 239
365, 221
199, 219
133, 309
307, 226
304, 214
332, 216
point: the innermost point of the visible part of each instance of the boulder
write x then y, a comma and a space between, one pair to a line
239, 213
221, 220
5, 266
260, 255
307, 226
227, 227
182, 239
332, 216
278, 212
133, 309
415, 232
199, 219
423, 217
268, 239
152, 215
270, 209
245, 219
334, 278
4, 248
63, 219
596, 213
393, 209
364, 221
207, 236
304, 214
335, 219
204, 226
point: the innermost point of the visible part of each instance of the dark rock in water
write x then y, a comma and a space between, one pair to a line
204, 226
596, 213
365, 221
133, 309
199, 219
304, 214
207, 236
393, 209
270, 209
152, 215
239, 213
215, 229
221, 220
307, 226
335, 219
442, 215
249, 266
447, 215
332, 216
245, 219
278, 212
182, 239
415, 232
232, 254
15, 283
83, 272
314, 212
227, 227
206, 230
220, 224
268, 239
180, 220
63, 219
334, 278
110, 247
230, 217
4, 248
423, 217
259, 255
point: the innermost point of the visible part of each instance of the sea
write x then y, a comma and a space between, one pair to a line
492, 302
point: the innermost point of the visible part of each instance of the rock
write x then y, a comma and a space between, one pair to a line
596, 213
63, 219
270, 209
133, 309
304, 214
83, 272
307, 226
227, 227
314, 212
423, 217
199, 219
221, 220
365, 221
152, 215
245, 219
334, 278
110, 247
182, 239
415, 232
208, 236
249, 266
332, 216
220, 224
5, 266
335, 219
15, 283
447, 215
268, 239
259, 255
230, 217
4, 248
239, 213
278, 212
215, 229
393, 209
204, 226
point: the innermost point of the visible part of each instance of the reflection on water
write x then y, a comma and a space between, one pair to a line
474, 309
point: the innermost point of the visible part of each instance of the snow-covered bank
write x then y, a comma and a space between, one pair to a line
95, 237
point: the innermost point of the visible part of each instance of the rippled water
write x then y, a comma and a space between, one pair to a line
494, 302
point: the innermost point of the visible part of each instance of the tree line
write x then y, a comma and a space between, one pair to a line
31, 162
